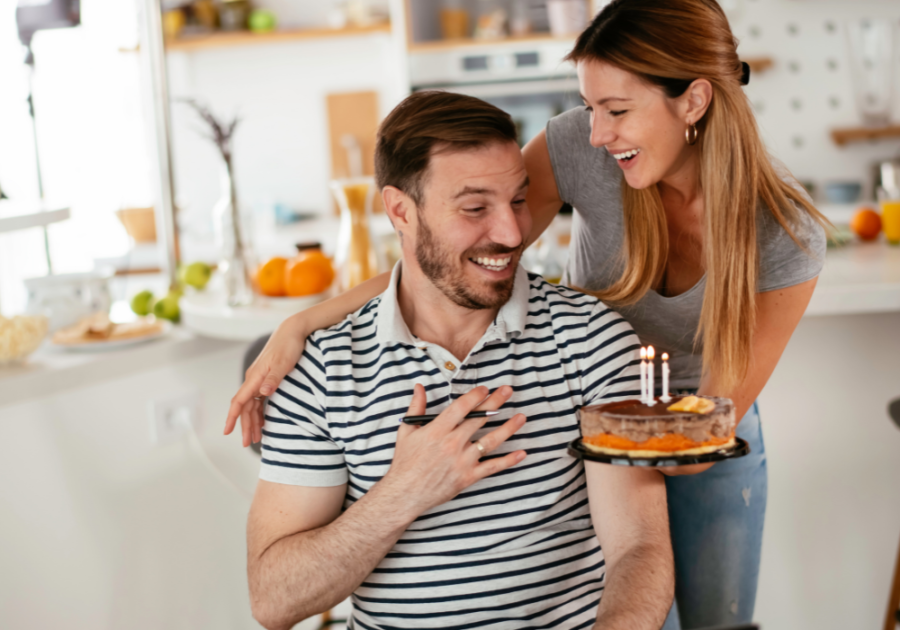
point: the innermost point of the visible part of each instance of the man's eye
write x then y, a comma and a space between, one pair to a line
518, 202
475, 210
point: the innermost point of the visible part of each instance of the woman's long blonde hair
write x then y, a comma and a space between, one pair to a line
671, 43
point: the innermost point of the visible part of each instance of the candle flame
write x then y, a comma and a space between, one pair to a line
665, 357
643, 353
651, 353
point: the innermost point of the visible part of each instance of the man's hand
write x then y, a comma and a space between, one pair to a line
435, 462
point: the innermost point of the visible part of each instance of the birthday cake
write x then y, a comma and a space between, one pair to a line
686, 425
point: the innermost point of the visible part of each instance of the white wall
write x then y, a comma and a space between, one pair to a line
281, 150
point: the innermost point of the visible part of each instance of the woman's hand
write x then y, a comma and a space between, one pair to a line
283, 350
277, 359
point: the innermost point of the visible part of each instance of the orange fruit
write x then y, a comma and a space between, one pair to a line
866, 224
270, 277
309, 273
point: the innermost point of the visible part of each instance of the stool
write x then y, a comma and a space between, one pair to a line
892, 618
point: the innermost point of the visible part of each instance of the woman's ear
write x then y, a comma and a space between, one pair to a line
698, 96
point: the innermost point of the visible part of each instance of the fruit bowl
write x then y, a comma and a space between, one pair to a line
292, 304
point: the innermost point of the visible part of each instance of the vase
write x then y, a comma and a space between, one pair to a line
236, 259
355, 256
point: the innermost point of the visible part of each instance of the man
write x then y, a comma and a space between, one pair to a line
452, 525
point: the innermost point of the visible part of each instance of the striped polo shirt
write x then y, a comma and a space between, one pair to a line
514, 550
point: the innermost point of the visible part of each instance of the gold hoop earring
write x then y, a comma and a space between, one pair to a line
691, 134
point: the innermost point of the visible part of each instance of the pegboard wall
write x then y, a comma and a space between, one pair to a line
809, 91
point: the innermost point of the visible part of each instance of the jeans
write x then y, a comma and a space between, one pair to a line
716, 519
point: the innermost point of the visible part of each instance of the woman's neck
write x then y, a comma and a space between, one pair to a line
681, 187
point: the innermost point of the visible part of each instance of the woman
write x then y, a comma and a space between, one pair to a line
684, 225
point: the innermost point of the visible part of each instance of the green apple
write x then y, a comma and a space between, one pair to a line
167, 308
262, 21
196, 274
142, 303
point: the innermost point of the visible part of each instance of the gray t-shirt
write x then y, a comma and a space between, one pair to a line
589, 179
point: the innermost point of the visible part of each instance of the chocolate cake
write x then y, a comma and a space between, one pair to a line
635, 429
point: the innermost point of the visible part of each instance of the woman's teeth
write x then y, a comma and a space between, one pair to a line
627, 155
494, 264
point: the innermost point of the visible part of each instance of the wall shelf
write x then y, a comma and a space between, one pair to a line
222, 39
468, 42
862, 134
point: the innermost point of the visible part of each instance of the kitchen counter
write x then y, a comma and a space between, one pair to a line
858, 278
50, 370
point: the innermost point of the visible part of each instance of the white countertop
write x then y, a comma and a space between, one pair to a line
858, 278
50, 370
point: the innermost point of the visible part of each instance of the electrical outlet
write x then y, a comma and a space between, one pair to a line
171, 415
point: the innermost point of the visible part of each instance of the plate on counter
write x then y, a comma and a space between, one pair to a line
739, 449
121, 336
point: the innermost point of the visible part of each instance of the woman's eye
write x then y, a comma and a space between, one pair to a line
618, 113
588, 108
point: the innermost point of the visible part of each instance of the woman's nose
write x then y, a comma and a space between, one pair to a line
601, 134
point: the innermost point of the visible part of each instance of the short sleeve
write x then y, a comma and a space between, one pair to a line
782, 262
297, 446
610, 363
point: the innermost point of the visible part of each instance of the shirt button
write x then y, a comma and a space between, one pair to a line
449, 366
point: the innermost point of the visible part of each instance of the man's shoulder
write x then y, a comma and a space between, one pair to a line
558, 299
358, 326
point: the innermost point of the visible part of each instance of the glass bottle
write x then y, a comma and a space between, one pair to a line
355, 257
236, 262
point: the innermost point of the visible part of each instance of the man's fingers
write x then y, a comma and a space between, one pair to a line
496, 400
496, 464
502, 433
418, 403
450, 417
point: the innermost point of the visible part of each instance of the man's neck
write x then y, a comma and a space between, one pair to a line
434, 318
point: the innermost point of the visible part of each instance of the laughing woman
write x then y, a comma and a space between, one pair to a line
683, 224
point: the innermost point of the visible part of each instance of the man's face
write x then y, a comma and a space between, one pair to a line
473, 222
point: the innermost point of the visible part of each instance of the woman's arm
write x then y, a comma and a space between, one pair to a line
778, 314
543, 196
283, 350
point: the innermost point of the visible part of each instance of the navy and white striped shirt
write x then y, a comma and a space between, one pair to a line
514, 550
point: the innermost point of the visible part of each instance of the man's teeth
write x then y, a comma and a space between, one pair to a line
494, 264
627, 154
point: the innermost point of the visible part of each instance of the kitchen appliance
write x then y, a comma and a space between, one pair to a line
527, 79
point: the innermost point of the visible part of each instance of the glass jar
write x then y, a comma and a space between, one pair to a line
234, 14
355, 257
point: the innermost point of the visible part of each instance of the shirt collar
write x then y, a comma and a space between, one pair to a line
510, 319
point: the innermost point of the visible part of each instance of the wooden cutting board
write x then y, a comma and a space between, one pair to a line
354, 113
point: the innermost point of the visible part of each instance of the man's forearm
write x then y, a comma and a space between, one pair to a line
312, 571
639, 592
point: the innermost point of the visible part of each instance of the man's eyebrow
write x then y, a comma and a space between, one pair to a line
469, 190
604, 100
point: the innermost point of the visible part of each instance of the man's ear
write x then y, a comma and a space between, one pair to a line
399, 207
698, 96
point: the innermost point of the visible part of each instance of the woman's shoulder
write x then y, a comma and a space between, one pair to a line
784, 261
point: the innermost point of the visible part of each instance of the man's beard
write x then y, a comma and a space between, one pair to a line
443, 269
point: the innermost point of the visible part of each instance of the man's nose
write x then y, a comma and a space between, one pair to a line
507, 227
601, 133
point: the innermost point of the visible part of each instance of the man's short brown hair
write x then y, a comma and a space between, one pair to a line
430, 119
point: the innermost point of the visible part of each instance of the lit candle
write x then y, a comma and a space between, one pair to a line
665, 374
643, 374
651, 386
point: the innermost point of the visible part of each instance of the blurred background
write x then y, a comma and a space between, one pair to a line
160, 162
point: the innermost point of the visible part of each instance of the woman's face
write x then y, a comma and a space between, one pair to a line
637, 123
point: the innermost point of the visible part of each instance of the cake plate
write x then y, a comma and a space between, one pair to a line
740, 448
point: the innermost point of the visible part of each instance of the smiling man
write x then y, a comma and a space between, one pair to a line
461, 523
